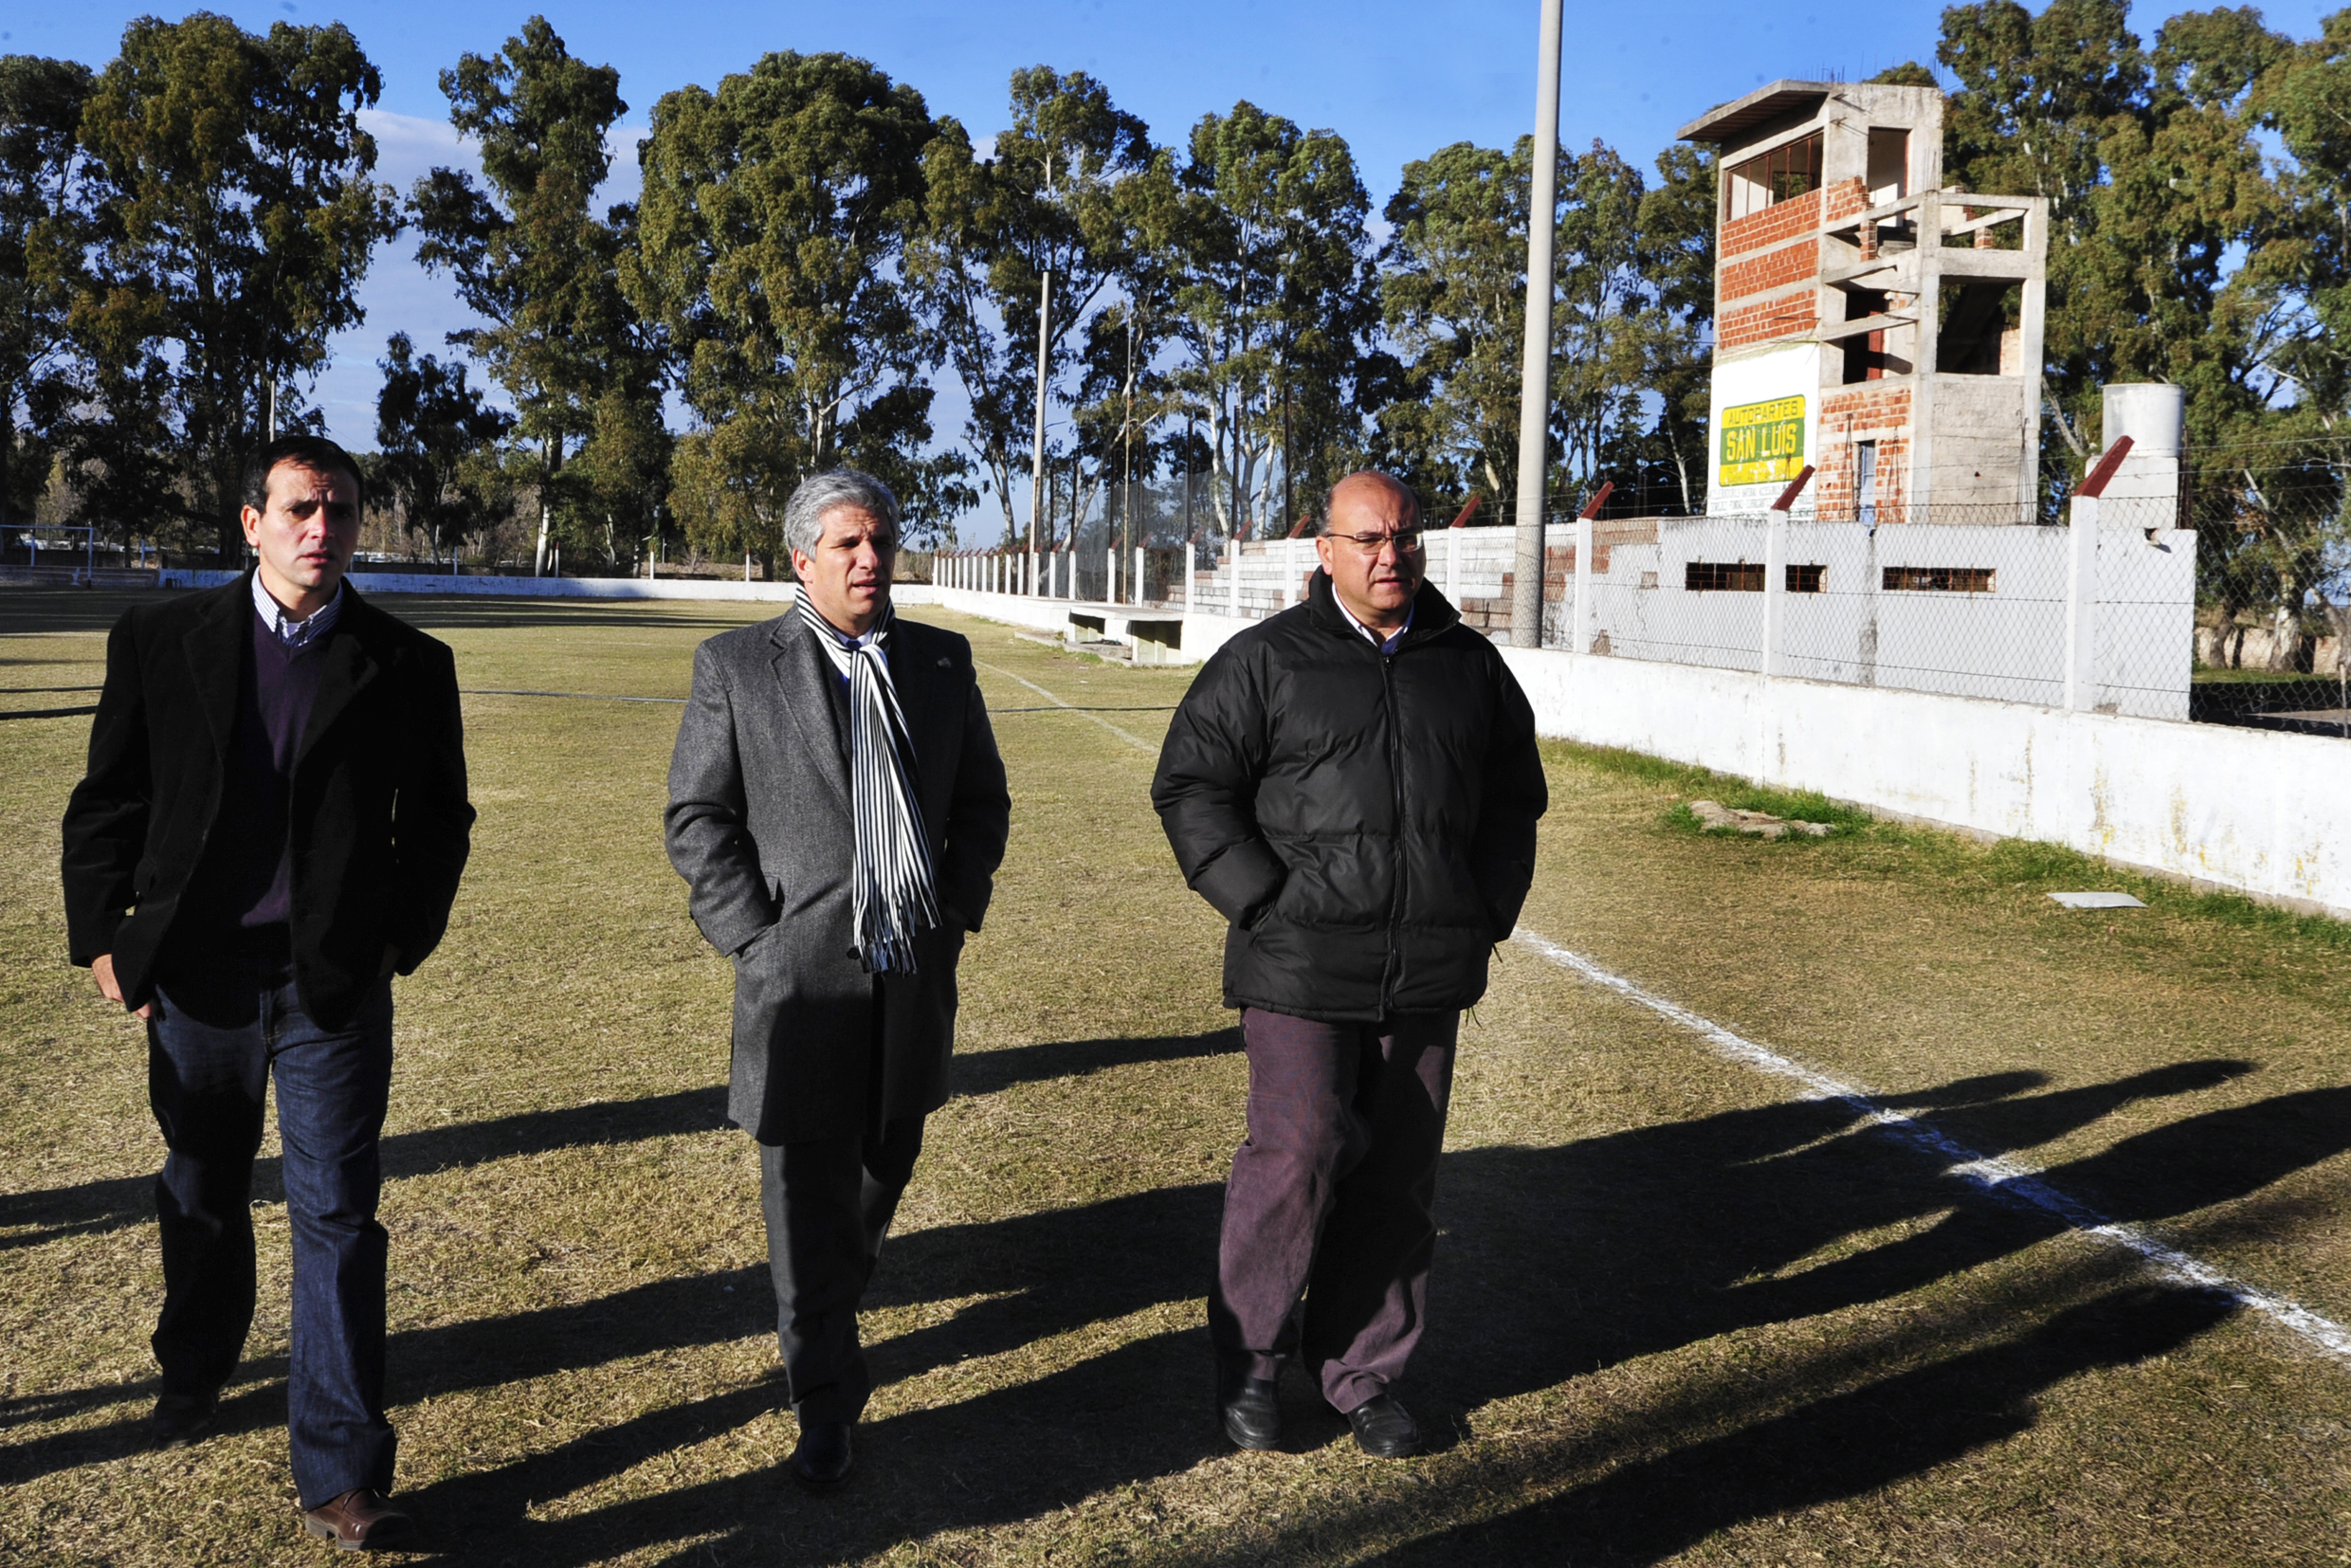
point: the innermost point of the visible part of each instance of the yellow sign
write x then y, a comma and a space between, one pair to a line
1763, 443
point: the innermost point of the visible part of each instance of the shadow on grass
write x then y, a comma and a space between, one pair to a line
1557, 1260
95, 1206
1561, 1260
1836, 1448
990, 1071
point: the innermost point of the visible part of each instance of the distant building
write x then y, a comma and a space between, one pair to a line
1868, 320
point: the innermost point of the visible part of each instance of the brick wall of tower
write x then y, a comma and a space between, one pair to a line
1863, 414
1737, 328
1775, 225
1759, 273
1776, 249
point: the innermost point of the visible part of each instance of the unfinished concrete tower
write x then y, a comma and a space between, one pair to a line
1867, 321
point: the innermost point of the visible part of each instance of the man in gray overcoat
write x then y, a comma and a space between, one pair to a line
838, 810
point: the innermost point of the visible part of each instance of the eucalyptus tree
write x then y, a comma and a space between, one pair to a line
41, 232
771, 228
437, 445
1668, 454
1453, 296
231, 221
2157, 189
1018, 252
1273, 300
529, 254
1601, 321
1634, 292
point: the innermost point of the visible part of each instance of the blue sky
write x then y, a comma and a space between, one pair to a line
1397, 80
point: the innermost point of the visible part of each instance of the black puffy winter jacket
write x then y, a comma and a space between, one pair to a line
1366, 821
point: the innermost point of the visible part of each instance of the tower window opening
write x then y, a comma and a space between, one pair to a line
1781, 174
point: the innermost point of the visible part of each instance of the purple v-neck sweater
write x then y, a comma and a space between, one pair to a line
247, 875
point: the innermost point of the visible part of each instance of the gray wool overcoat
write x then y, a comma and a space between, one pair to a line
758, 826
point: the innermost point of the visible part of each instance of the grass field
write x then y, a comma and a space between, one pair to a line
1682, 1312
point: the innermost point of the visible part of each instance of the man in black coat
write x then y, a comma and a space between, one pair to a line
1354, 785
273, 823
838, 810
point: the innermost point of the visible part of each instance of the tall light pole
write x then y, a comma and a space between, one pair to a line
1044, 312
1534, 384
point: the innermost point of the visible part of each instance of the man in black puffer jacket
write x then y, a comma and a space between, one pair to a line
1354, 785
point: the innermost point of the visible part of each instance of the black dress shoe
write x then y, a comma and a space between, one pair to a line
183, 1419
1384, 1429
1253, 1413
822, 1458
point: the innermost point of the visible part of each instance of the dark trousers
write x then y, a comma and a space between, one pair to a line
217, 1037
1332, 1199
828, 1203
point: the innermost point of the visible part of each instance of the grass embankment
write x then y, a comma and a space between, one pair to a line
1678, 1315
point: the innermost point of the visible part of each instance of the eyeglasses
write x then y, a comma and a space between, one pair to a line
1406, 541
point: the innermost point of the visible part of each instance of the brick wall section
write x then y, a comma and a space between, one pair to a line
1790, 264
1736, 329
1844, 199
1492, 616
1776, 225
1865, 413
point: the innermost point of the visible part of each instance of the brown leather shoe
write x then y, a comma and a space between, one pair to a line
360, 1520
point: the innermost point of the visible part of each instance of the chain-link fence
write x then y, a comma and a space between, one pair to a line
2004, 612
2273, 585
2229, 602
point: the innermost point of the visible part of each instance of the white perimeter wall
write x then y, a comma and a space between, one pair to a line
2250, 811
545, 588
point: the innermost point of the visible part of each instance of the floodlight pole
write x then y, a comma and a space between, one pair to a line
1535, 375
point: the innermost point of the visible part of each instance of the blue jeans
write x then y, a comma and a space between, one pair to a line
214, 1044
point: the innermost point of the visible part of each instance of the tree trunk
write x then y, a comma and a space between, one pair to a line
550, 455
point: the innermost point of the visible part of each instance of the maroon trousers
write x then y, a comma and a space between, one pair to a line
1331, 1199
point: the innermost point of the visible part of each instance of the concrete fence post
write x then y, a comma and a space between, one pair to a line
1136, 583
1188, 567
1453, 566
2082, 605
2081, 579
1233, 553
1580, 610
1775, 586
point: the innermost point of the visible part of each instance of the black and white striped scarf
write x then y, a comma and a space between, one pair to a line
891, 893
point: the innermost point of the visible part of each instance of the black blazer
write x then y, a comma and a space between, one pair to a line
379, 818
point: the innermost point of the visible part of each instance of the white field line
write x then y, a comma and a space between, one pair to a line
1136, 741
1999, 1178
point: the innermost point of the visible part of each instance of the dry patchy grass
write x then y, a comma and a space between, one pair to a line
1678, 1315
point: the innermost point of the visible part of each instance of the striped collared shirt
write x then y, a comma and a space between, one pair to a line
294, 633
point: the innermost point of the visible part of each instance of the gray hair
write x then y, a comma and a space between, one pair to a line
804, 513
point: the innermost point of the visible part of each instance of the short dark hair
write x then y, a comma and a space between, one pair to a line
315, 452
